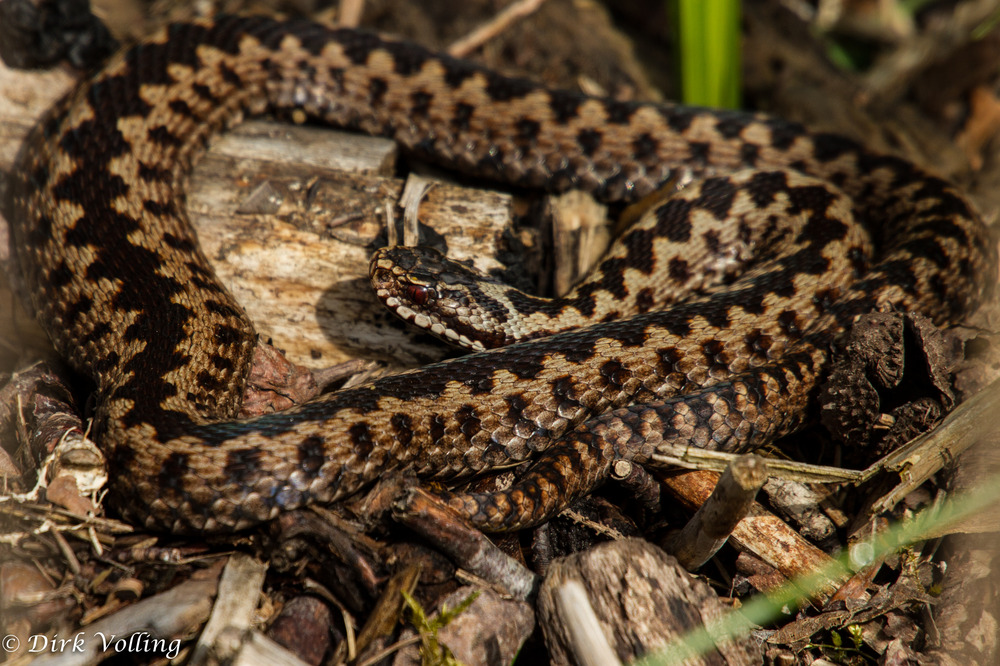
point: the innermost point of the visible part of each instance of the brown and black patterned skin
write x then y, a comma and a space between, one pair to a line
691, 243
127, 297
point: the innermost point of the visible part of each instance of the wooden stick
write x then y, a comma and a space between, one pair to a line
498, 24
587, 641
764, 535
729, 503
467, 546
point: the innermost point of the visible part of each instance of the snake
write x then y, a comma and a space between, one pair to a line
119, 283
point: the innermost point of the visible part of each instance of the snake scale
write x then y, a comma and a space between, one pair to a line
119, 283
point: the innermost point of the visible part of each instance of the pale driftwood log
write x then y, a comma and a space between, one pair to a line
731, 500
296, 257
662, 603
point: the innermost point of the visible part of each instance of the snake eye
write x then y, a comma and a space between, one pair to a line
419, 294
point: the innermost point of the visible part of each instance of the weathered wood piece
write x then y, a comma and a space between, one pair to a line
290, 216
765, 535
730, 502
643, 600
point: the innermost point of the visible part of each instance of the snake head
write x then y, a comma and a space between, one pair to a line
443, 297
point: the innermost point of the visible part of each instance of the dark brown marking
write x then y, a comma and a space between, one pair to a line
179, 243
376, 90
402, 428
644, 300
173, 470
421, 103
619, 113
226, 335
758, 343
712, 241
154, 173
717, 196
336, 75
59, 276
437, 429
461, 116
698, 151
221, 308
221, 363
589, 141
468, 422
456, 73
81, 141
749, 154
679, 118
673, 220
233, 79
731, 125
80, 306
615, 373
645, 148
564, 105
41, 232
159, 209
99, 331
828, 147
859, 260
503, 89
678, 270
109, 362
242, 465
527, 130
714, 351
210, 383
789, 323
204, 92
312, 454
359, 46
784, 133
163, 136
764, 187
38, 177
361, 439
408, 59
826, 299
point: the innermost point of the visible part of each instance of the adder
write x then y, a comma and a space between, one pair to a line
127, 297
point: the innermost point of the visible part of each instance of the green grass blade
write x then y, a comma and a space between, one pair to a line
709, 52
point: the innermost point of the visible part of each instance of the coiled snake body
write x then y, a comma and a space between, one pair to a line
119, 283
